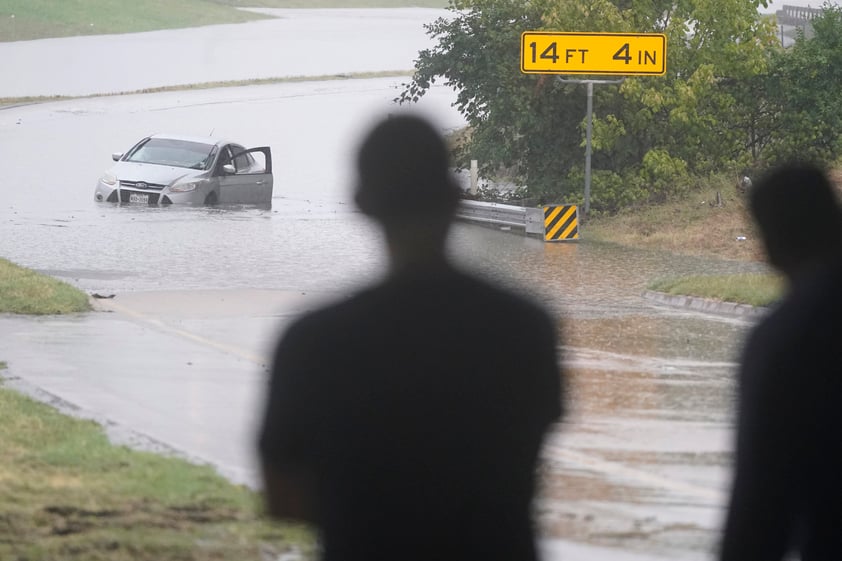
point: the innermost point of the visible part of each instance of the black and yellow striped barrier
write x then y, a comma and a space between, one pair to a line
561, 223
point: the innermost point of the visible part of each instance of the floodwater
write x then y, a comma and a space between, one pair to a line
640, 465
311, 238
295, 43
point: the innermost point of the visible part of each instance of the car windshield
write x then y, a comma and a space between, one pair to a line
170, 152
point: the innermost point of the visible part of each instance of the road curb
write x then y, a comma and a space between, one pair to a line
706, 305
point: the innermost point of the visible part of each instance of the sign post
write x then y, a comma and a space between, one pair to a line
618, 54
589, 133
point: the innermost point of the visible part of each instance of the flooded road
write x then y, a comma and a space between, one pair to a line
311, 238
295, 43
639, 467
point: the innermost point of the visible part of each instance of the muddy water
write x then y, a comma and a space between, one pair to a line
641, 462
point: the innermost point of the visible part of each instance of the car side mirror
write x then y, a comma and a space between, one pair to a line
116, 156
229, 169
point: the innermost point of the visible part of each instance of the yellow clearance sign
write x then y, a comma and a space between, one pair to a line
545, 52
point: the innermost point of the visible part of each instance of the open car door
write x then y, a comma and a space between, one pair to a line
251, 182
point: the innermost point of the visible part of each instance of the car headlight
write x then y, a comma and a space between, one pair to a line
185, 187
108, 178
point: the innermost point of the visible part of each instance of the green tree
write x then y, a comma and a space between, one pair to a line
511, 115
802, 89
650, 133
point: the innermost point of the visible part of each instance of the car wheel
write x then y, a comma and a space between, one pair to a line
211, 199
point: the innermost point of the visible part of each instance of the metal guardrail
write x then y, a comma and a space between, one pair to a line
797, 16
798, 13
530, 220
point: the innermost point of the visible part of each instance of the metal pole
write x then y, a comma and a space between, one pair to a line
589, 135
588, 151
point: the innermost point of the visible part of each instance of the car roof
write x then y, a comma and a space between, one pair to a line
212, 140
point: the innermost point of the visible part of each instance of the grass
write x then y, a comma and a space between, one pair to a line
692, 225
697, 225
67, 493
751, 289
23, 291
8, 101
22, 20
703, 224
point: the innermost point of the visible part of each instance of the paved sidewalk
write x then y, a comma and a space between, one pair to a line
182, 371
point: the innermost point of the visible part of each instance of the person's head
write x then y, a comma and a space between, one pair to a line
404, 177
799, 217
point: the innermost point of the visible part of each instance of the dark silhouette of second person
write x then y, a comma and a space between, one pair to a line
406, 422
787, 489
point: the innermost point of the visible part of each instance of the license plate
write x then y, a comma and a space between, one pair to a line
139, 198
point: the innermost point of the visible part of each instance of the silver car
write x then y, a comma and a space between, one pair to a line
168, 169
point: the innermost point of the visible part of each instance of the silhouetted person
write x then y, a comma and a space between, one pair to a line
405, 423
787, 490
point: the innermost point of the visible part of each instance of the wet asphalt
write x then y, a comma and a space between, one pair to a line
182, 372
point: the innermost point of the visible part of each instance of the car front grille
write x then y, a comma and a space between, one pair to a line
142, 185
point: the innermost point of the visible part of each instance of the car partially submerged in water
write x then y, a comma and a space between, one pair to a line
170, 169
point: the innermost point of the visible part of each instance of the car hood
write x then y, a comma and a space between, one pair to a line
153, 173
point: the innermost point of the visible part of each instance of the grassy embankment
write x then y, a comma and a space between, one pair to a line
752, 289
697, 224
22, 20
67, 493
23, 291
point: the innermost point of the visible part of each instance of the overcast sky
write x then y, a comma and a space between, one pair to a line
776, 5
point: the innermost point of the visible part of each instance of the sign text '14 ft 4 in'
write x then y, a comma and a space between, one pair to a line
544, 52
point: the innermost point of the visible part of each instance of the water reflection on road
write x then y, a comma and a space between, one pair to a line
641, 462
117, 249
